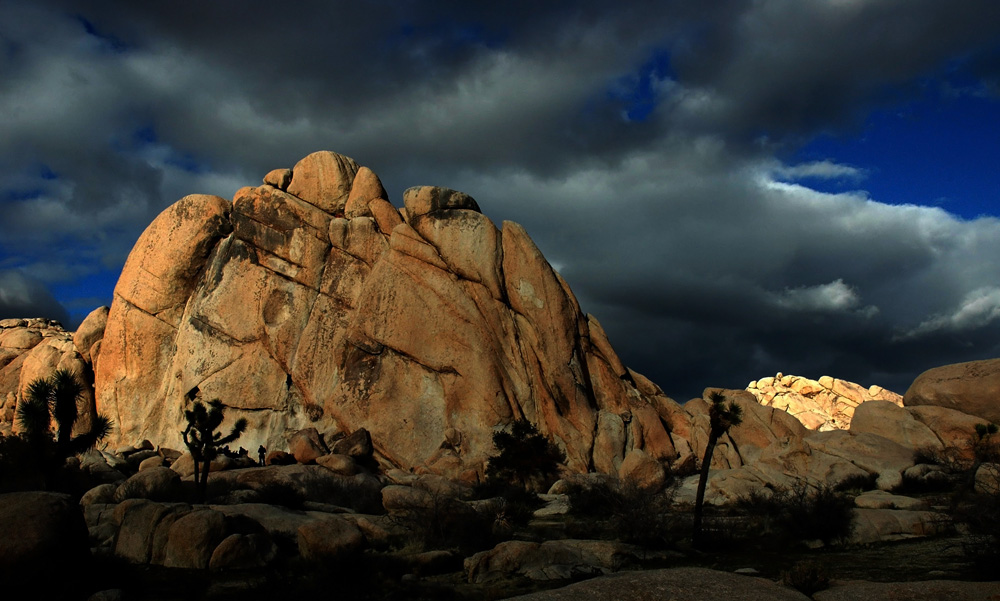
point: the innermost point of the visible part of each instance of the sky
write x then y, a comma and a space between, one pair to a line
732, 188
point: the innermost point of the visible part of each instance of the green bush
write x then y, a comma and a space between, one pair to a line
622, 510
786, 516
517, 505
525, 458
448, 523
857, 484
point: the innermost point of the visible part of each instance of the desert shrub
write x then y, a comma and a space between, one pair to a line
361, 495
594, 498
806, 577
824, 514
857, 483
524, 458
951, 459
448, 523
518, 504
645, 517
623, 510
276, 493
785, 516
986, 444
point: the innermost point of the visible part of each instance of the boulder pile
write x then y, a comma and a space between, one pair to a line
824, 404
34, 348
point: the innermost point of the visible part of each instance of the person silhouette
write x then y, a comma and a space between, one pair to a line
261, 453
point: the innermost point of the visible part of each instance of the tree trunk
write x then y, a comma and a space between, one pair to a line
203, 484
699, 500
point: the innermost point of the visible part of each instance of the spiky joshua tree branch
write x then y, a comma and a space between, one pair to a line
204, 442
55, 399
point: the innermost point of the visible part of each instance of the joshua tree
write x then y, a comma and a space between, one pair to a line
204, 442
722, 417
55, 398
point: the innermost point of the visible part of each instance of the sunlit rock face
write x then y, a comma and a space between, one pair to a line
311, 301
824, 404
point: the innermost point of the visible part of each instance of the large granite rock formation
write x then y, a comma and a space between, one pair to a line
310, 301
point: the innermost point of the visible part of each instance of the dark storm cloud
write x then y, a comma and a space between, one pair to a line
637, 142
789, 68
23, 296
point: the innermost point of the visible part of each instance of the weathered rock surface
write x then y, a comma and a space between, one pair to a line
972, 388
824, 404
955, 430
891, 421
309, 302
676, 584
925, 590
550, 560
880, 499
876, 525
155, 483
329, 540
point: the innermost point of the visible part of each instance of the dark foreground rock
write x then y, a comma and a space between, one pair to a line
676, 584
42, 534
929, 590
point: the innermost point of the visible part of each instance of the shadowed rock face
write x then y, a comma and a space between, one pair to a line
321, 305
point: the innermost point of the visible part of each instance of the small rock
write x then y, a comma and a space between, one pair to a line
279, 178
155, 483
100, 494
307, 445
329, 540
357, 445
339, 464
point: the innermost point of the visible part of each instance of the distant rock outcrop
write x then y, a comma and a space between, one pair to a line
824, 404
310, 301
34, 348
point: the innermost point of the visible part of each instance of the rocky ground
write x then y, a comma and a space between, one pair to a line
290, 530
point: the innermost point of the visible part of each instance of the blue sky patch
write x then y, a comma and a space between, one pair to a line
637, 91
932, 151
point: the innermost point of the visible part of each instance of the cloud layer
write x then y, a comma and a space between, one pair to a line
644, 146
